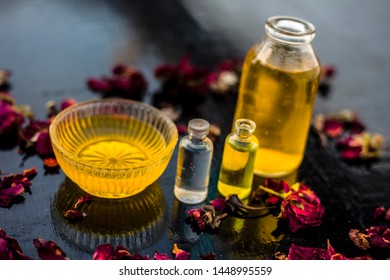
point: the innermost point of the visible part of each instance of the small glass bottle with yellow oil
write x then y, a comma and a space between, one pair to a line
238, 160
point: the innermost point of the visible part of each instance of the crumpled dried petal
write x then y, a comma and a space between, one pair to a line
333, 128
84, 199
379, 236
180, 254
99, 85
13, 186
387, 215
160, 256
49, 250
121, 253
74, 215
196, 215
378, 212
104, 252
50, 163
30, 173
10, 120
67, 103
219, 204
10, 249
210, 256
43, 145
359, 239
310, 253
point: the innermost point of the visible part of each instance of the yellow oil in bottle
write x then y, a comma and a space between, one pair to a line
280, 102
238, 160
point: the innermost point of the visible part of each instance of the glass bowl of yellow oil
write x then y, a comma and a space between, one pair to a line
113, 148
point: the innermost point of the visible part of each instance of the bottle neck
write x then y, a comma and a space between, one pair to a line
290, 30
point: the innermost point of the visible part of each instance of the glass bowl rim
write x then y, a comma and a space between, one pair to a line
70, 157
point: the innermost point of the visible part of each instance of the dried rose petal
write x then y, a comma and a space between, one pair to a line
15, 190
99, 85
351, 153
84, 199
67, 103
74, 215
179, 253
196, 215
328, 71
379, 236
43, 145
378, 212
359, 239
333, 128
160, 256
307, 253
50, 163
104, 252
30, 173
137, 256
119, 69
10, 249
121, 253
219, 204
387, 215
280, 256
182, 129
210, 256
49, 250
10, 120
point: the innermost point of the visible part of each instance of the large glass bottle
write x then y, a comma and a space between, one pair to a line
238, 160
193, 163
277, 91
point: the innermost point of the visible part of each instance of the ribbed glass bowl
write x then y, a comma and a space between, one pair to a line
113, 148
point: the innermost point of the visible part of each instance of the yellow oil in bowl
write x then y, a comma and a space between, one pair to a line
113, 148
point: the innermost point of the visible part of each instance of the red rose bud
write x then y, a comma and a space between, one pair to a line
302, 209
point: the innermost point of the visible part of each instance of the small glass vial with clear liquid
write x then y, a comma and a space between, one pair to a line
193, 164
238, 160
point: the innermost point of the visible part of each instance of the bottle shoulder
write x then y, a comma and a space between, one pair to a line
191, 143
237, 143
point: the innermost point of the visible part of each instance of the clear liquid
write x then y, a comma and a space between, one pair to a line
280, 103
236, 174
193, 170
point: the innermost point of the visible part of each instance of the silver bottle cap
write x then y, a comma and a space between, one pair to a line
198, 127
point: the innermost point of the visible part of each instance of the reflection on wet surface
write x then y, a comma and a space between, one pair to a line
135, 222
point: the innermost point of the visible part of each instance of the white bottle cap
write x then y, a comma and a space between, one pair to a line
198, 127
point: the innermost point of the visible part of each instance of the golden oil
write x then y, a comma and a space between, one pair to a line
280, 102
238, 160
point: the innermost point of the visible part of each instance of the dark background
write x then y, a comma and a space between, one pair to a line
53, 46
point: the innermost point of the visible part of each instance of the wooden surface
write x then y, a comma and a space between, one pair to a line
53, 46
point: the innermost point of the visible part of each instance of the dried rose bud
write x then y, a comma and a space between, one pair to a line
196, 215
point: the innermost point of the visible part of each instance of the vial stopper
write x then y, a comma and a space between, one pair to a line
198, 127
